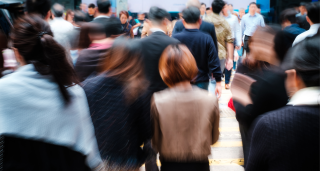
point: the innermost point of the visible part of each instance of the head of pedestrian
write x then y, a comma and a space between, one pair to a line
242, 12
39, 7
302, 8
124, 63
177, 65
217, 6
262, 45
191, 18
302, 65
226, 10
253, 8
258, 9
91, 9
194, 3
141, 16
230, 7
33, 44
313, 16
288, 17
208, 11
57, 10
104, 8
203, 8
159, 18
111, 30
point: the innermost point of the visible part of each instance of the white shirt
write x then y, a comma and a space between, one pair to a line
101, 16
62, 31
235, 28
311, 32
250, 23
306, 96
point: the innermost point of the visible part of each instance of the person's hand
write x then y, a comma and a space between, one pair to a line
236, 57
218, 90
138, 25
238, 47
242, 44
229, 64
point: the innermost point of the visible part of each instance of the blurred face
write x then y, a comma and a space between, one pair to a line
302, 10
141, 16
203, 9
262, 47
258, 11
91, 11
123, 19
83, 7
71, 16
253, 9
225, 10
242, 13
231, 8
209, 11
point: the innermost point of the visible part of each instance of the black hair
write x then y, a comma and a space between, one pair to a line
258, 6
104, 6
113, 27
191, 14
91, 6
208, 9
34, 40
304, 58
158, 14
217, 6
288, 14
253, 3
203, 4
41, 7
314, 12
57, 10
79, 16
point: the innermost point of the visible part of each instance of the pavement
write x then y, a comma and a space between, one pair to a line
227, 153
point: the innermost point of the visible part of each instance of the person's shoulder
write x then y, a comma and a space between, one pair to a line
179, 24
163, 96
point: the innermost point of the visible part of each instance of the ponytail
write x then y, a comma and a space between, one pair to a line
33, 38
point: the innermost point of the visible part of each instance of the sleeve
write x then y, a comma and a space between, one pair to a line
262, 24
213, 60
243, 27
156, 125
144, 120
259, 147
177, 28
238, 33
229, 38
214, 37
215, 123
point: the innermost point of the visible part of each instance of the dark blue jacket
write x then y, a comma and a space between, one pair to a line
294, 30
204, 51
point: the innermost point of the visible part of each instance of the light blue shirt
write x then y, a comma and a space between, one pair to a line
235, 28
249, 23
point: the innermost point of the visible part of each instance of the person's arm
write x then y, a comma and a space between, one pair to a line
215, 123
145, 29
214, 37
260, 146
243, 27
156, 125
230, 46
214, 65
262, 24
238, 34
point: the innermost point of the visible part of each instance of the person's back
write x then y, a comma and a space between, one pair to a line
44, 124
103, 12
288, 22
152, 48
185, 117
118, 110
288, 138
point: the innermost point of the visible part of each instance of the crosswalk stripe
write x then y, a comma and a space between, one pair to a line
229, 129
227, 144
213, 162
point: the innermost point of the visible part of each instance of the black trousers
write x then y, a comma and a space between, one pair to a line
246, 43
185, 166
245, 137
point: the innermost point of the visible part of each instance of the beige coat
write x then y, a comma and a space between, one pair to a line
186, 124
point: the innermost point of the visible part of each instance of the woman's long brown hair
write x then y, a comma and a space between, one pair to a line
124, 62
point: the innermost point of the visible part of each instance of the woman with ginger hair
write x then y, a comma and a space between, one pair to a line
185, 117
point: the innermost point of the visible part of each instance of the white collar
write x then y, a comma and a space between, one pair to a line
307, 96
156, 29
315, 27
101, 16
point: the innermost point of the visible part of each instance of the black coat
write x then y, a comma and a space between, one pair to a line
120, 127
205, 27
152, 48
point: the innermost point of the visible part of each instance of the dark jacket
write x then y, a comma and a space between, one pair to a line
286, 139
120, 127
89, 60
152, 48
302, 21
294, 30
205, 27
204, 52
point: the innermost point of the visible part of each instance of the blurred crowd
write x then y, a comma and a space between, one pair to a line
93, 90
